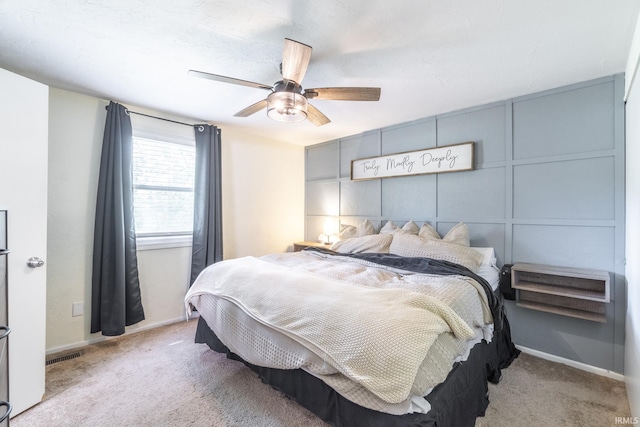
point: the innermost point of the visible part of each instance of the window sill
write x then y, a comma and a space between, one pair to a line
163, 242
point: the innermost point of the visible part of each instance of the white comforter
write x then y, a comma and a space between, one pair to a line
376, 335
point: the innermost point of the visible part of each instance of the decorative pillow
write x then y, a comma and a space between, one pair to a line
389, 228
428, 232
415, 246
377, 243
349, 231
409, 228
459, 234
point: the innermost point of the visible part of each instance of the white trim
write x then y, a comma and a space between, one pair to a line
80, 344
578, 365
163, 242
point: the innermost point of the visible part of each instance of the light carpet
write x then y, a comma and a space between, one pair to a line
160, 377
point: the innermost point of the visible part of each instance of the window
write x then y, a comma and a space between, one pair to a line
163, 181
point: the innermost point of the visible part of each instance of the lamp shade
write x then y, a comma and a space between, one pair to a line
287, 106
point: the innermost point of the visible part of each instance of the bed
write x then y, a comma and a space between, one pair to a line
397, 328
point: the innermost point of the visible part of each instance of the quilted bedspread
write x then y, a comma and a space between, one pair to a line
377, 335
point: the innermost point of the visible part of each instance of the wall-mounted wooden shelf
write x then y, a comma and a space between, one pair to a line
574, 292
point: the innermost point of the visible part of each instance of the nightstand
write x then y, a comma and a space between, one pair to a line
298, 246
574, 292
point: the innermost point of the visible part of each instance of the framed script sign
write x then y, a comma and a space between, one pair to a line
449, 158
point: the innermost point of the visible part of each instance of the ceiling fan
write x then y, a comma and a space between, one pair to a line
287, 101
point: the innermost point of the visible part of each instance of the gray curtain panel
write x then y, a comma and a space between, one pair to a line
207, 200
115, 288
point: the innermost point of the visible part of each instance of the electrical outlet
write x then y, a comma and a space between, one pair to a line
77, 309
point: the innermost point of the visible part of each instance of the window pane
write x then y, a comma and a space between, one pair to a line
166, 173
163, 211
164, 164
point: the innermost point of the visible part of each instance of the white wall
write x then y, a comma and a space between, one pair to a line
632, 247
263, 211
74, 158
263, 195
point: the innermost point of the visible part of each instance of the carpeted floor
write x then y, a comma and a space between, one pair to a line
536, 392
161, 378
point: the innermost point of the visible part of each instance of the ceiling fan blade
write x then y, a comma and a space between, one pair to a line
316, 117
344, 93
254, 108
224, 79
295, 60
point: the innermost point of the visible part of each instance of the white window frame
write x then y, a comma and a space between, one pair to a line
147, 243
158, 130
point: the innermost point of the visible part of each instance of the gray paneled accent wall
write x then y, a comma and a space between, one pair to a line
548, 188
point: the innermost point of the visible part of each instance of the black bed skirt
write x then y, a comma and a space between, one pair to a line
454, 403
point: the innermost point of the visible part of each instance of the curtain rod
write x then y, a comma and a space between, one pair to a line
153, 117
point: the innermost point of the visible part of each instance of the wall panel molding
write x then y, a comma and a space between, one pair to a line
548, 187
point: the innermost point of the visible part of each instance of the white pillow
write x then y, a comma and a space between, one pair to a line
376, 243
428, 232
389, 228
347, 232
408, 245
409, 228
488, 268
489, 256
459, 234
364, 229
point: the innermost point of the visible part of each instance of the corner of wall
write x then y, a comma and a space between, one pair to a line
263, 194
632, 215
633, 61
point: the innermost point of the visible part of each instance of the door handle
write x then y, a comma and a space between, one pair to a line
35, 262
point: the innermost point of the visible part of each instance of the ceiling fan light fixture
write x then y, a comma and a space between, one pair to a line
287, 106
287, 102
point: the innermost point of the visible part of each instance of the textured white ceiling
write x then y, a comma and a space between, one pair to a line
428, 56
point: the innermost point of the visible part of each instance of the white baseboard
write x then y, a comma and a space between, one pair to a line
131, 330
572, 363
